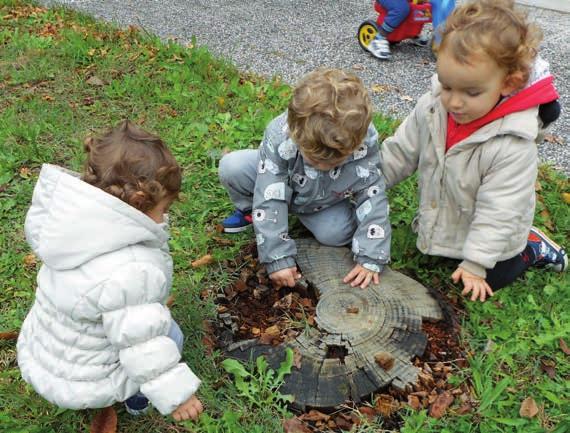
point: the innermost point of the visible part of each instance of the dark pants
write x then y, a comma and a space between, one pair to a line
507, 271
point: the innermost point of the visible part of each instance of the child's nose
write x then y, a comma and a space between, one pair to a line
455, 101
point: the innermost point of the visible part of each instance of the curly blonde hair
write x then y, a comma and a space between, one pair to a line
329, 114
495, 28
133, 165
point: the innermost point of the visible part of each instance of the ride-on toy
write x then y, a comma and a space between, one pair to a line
421, 12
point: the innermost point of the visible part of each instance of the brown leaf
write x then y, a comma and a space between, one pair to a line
551, 138
314, 415
465, 408
380, 88
414, 402
440, 405
352, 310
564, 347
170, 301
203, 261
528, 409
104, 421
285, 302
368, 412
30, 261
95, 81
549, 367
297, 356
386, 405
385, 360
295, 425
10, 335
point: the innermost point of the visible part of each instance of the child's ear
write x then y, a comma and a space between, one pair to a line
513, 82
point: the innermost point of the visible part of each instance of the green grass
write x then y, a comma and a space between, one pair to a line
201, 106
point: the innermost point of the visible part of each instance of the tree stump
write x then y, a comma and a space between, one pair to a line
365, 338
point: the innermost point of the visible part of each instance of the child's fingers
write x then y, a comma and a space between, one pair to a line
456, 275
358, 279
376, 278
350, 276
367, 280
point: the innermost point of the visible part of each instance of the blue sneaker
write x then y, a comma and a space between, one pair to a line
137, 405
237, 222
548, 254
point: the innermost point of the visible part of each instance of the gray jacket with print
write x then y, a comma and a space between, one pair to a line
286, 183
477, 200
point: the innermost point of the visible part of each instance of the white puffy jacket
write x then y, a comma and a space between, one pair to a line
97, 332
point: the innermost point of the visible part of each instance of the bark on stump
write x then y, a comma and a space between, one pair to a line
344, 358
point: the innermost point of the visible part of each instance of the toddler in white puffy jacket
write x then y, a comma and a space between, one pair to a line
99, 331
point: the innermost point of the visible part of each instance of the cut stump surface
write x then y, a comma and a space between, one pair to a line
339, 357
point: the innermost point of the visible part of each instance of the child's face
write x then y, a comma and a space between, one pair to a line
157, 212
471, 90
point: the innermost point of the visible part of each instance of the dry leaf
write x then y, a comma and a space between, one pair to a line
170, 301
551, 138
295, 425
385, 360
566, 197
30, 260
465, 408
314, 416
358, 67
564, 347
95, 81
368, 412
549, 367
25, 172
10, 335
104, 421
414, 402
528, 409
547, 220
386, 405
380, 88
297, 358
440, 405
203, 261
406, 98
352, 310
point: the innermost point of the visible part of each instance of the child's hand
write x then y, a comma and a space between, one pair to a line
472, 283
190, 409
360, 276
285, 277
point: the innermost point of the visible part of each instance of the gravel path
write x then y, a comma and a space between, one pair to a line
292, 37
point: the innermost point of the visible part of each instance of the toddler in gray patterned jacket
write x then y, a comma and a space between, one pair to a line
320, 161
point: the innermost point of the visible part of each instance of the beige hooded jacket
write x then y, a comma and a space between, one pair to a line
476, 202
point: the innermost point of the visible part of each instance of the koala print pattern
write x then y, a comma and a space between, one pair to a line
375, 232
363, 210
287, 149
335, 173
360, 152
275, 191
362, 172
299, 179
311, 172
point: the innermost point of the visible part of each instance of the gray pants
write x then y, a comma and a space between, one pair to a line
333, 226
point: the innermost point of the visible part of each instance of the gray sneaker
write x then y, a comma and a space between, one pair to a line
380, 48
420, 41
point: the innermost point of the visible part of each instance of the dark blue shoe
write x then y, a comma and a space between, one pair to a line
548, 254
137, 405
237, 222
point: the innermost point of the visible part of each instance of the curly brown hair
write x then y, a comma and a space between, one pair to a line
133, 165
329, 114
495, 28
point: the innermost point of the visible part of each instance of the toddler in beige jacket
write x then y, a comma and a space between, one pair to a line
472, 139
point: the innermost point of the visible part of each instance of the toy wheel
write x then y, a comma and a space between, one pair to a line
366, 33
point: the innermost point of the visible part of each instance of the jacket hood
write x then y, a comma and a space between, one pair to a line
71, 222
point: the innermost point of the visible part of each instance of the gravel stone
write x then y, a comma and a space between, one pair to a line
289, 38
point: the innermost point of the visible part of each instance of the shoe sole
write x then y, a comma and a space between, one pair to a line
378, 57
554, 245
236, 229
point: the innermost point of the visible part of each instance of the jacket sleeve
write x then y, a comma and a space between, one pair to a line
371, 240
271, 198
400, 153
137, 323
505, 196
